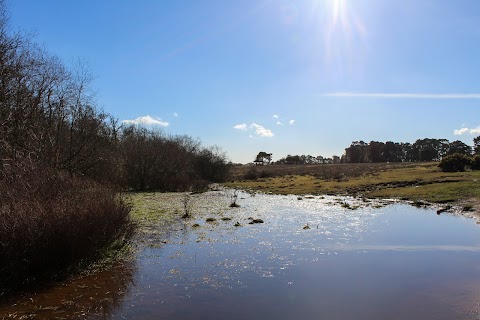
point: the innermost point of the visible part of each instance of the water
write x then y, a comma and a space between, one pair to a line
393, 262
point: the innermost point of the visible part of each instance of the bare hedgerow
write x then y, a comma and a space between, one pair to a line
51, 220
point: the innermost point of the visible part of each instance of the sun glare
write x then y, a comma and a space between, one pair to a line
343, 34
338, 10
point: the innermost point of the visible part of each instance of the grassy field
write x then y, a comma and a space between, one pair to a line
407, 181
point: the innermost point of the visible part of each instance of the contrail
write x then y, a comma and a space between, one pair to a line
404, 95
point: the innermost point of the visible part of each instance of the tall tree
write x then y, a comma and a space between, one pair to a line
376, 151
476, 145
357, 152
430, 149
459, 147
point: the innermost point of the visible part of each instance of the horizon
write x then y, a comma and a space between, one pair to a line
288, 77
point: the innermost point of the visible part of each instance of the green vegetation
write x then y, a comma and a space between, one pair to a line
408, 181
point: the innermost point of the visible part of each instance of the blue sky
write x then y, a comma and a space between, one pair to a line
285, 77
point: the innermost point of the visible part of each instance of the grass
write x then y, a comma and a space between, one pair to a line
410, 181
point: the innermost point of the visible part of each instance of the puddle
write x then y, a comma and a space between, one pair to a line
393, 262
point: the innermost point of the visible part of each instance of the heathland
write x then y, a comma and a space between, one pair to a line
406, 181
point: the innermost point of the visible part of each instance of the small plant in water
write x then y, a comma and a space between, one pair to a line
187, 205
346, 205
233, 202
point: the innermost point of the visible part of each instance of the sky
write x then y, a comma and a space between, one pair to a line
280, 76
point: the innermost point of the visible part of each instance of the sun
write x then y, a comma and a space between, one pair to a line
343, 33
338, 8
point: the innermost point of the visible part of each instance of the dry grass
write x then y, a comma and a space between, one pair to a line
412, 181
321, 171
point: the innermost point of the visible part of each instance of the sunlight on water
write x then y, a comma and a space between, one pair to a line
311, 258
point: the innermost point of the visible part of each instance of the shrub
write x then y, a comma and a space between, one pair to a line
455, 163
50, 221
251, 174
266, 174
476, 163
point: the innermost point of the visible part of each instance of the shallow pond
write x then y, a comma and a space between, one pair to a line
313, 258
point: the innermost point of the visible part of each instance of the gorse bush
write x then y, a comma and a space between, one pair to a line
456, 163
476, 162
51, 220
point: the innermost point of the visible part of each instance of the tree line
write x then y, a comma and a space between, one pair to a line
63, 159
376, 151
49, 115
421, 150
306, 159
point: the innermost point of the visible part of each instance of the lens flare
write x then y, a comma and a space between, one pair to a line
344, 36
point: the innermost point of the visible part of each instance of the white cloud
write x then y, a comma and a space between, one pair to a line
147, 120
279, 123
291, 122
462, 131
242, 126
175, 114
276, 116
261, 131
404, 95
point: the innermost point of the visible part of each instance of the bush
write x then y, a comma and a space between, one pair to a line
251, 174
455, 163
51, 220
476, 163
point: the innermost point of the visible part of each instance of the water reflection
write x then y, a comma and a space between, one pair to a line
95, 296
375, 262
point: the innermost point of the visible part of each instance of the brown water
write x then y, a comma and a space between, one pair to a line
394, 262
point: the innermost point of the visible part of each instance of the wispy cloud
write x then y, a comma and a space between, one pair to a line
261, 131
242, 126
276, 116
404, 95
462, 131
279, 123
147, 120
291, 122
175, 114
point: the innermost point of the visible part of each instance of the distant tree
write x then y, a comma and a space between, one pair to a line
393, 152
264, 157
476, 145
459, 147
294, 159
429, 149
357, 152
376, 151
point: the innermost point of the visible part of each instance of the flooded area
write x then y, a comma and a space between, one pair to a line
307, 258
